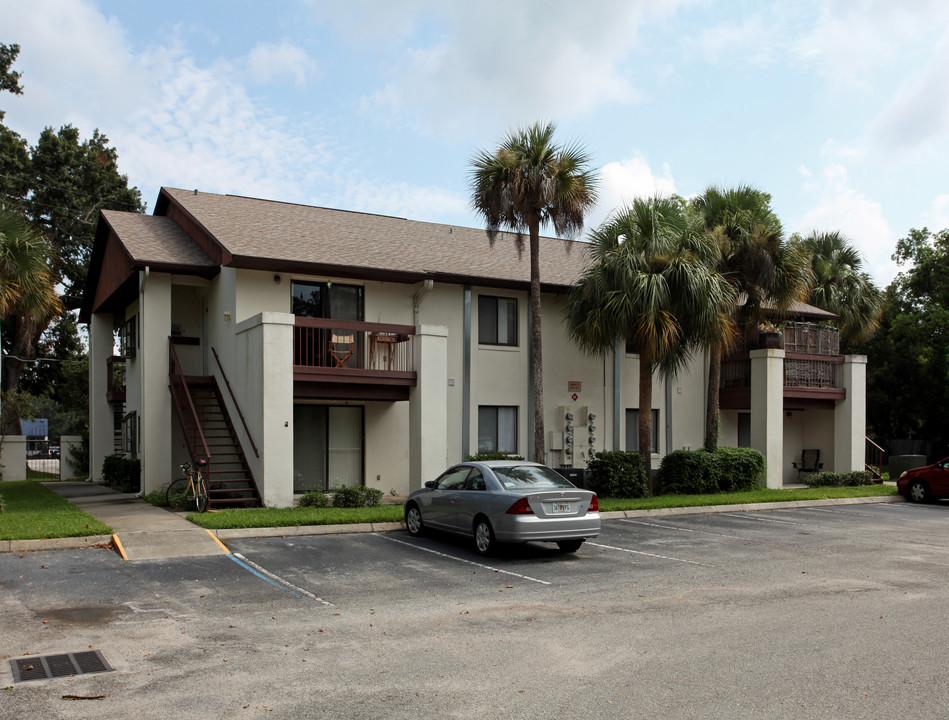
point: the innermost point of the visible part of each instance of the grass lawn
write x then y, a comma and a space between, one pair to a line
761, 495
32, 512
292, 517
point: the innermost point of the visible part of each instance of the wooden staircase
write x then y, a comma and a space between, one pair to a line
230, 482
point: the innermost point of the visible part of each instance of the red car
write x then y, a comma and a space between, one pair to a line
924, 484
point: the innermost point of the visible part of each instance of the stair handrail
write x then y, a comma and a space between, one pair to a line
178, 375
874, 455
237, 406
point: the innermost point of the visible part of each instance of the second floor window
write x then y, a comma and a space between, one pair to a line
497, 320
327, 300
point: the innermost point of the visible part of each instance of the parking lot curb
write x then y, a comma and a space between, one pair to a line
223, 535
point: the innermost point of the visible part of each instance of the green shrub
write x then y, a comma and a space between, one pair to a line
482, 457
687, 472
79, 454
701, 472
617, 474
833, 479
739, 468
122, 473
314, 498
357, 496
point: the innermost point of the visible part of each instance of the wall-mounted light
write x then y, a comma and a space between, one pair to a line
276, 279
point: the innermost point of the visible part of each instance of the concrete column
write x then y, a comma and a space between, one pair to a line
767, 411
264, 381
13, 458
101, 416
67, 471
156, 411
428, 406
850, 417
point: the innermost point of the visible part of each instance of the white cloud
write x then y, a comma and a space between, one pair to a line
268, 62
840, 207
853, 38
623, 182
919, 113
531, 61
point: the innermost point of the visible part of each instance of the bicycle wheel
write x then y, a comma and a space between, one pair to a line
177, 495
201, 492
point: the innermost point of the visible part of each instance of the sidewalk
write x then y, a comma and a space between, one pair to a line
142, 531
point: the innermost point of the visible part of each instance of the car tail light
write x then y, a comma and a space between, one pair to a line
594, 505
521, 507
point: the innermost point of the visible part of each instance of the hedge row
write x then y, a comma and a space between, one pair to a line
702, 472
833, 479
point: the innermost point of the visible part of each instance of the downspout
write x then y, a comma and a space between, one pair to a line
466, 375
669, 438
419, 297
618, 353
140, 356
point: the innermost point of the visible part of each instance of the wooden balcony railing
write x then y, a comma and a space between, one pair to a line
822, 372
346, 346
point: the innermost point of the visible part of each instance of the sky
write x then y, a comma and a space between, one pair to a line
837, 108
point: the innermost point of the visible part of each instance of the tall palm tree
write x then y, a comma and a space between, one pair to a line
841, 287
763, 269
527, 181
651, 282
27, 292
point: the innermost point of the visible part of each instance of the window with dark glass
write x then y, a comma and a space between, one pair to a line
632, 430
744, 429
497, 320
497, 429
327, 300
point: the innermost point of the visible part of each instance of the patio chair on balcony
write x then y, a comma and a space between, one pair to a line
342, 347
810, 463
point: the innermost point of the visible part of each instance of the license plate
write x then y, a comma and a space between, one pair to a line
560, 508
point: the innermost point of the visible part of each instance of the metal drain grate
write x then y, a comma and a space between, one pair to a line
44, 667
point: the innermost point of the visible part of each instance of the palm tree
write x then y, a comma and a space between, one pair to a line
762, 268
841, 287
528, 181
27, 293
651, 282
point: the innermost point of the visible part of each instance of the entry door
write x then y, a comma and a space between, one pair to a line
327, 447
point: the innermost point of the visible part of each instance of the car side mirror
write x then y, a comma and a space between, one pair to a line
430, 484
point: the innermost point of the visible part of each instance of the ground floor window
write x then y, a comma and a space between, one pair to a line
744, 429
328, 442
497, 429
632, 430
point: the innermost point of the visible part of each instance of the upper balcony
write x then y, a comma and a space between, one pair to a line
115, 373
813, 365
350, 360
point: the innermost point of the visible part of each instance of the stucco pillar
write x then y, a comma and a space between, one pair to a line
101, 416
67, 444
428, 406
156, 412
850, 417
767, 411
264, 380
13, 458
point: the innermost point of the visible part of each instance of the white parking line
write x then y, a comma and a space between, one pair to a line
681, 529
638, 552
748, 516
462, 560
277, 580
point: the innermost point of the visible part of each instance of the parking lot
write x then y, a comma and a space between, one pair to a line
805, 613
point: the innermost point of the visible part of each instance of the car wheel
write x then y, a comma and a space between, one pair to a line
413, 520
569, 545
484, 537
918, 492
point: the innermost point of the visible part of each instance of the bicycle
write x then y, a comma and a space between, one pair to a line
190, 490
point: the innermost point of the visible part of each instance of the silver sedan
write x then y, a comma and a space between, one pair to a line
505, 501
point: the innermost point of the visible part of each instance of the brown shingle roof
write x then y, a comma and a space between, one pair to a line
155, 240
255, 230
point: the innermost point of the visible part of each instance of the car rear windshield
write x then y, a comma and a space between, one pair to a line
530, 476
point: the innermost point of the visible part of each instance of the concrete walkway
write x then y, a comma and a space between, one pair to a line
140, 530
